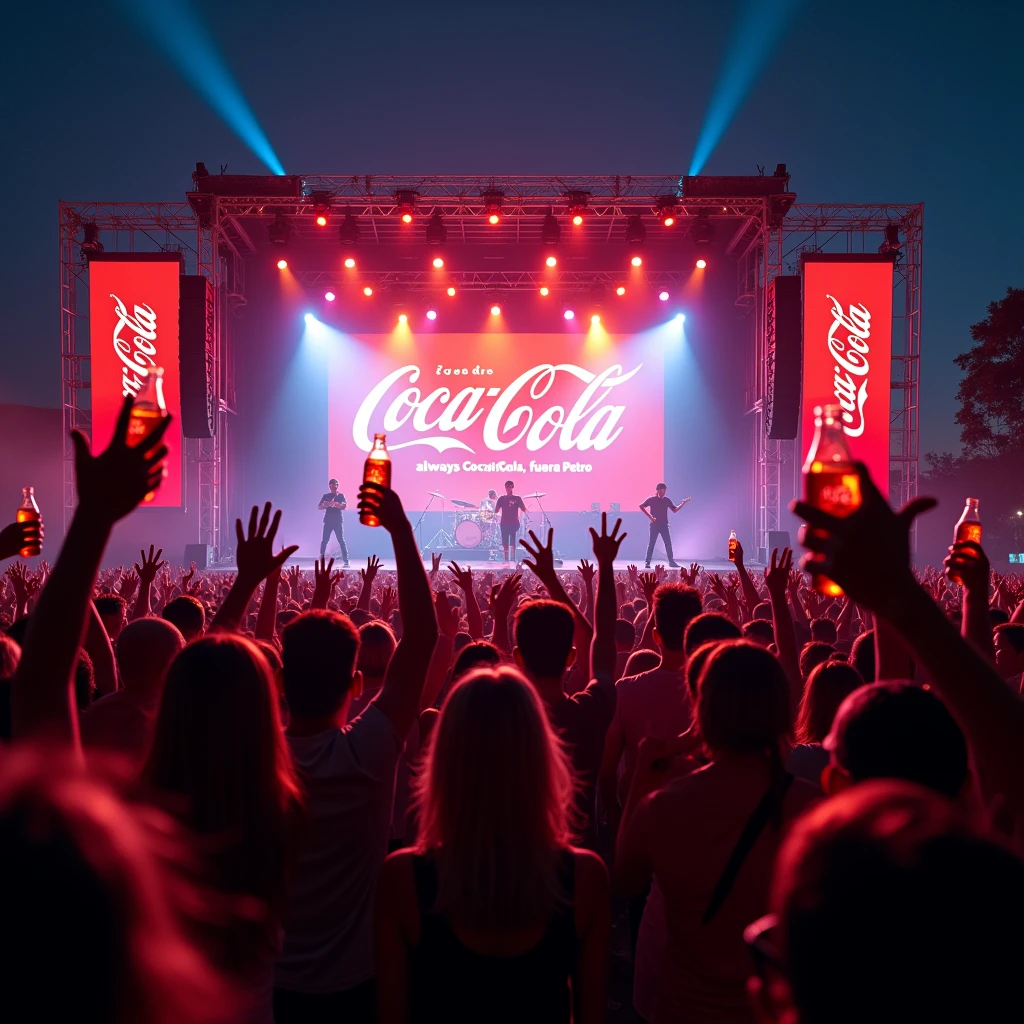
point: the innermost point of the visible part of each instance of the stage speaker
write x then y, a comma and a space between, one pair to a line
201, 554
784, 356
197, 328
778, 539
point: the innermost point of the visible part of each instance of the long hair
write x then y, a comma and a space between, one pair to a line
220, 758
495, 802
828, 685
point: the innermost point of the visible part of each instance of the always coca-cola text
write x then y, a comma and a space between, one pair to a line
137, 355
851, 361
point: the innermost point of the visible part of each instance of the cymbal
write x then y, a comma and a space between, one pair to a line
536, 494
463, 504
436, 494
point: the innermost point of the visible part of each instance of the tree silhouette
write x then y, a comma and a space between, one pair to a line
991, 392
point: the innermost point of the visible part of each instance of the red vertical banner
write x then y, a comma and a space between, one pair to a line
848, 352
133, 326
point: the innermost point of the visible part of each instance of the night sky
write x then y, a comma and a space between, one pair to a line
867, 102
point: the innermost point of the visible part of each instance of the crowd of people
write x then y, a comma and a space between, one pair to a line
451, 795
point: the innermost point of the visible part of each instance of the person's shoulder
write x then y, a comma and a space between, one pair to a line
590, 869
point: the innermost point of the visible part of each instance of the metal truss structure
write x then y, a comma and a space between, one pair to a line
763, 234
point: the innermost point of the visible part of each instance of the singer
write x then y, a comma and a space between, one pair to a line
333, 504
656, 509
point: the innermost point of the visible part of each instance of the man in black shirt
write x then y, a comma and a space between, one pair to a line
656, 509
508, 506
332, 504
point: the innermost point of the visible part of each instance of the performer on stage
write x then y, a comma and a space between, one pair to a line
487, 504
659, 506
508, 507
333, 504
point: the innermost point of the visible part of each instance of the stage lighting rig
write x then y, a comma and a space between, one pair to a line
493, 199
280, 231
551, 231
667, 209
577, 205
636, 233
405, 200
892, 245
348, 232
703, 232
436, 232
91, 244
321, 208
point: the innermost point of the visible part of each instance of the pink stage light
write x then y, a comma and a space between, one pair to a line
402, 318
367, 291
701, 264
438, 262
495, 310
321, 220
595, 319
551, 261
350, 263
282, 264
637, 261
545, 290
569, 314
330, 296
494, 219
577, 219
663, 296
431, 314
451, 291
620, 290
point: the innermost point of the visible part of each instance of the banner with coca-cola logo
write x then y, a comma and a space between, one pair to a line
133, 326
848, 352
577, 420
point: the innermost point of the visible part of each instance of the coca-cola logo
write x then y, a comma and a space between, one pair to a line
591, 422
851, 356
138, 355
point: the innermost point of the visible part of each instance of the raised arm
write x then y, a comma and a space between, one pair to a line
649, 582
254, 552
587, 572
101, 651
324, 582
110, 486
266, 617
464, 578
16, 536
147, 568
776, 578
606, 548
441, 658
367, 576
751, 598
399, 697
969, 563
502, 598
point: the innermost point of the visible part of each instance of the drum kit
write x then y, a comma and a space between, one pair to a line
475, 526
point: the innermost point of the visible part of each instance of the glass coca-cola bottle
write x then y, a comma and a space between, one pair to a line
148, 409
376, 470
968, 528
733, 545
830, 480
28, 512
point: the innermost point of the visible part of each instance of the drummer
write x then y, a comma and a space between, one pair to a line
487, 505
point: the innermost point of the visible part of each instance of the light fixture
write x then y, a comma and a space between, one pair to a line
635, 230
495, 310
493, 198
91, 244
330, 296
620, 290
437, 262
367, 291
701, 263
350, 263
595, 319
663, 296
310, 319
551, 261
569, 314
680, 317
545, 290
576, 201
402, 318
348, 231
321, 207
280, 230
703, 230
892, 245
451, 290
637, 261
321, 220
405, 200
282, 264
551, 230
667, 209
436, 233
431, 314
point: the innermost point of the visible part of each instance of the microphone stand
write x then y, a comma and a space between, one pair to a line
419, 522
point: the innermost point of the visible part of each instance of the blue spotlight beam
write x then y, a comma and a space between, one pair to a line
175, 28
760, 26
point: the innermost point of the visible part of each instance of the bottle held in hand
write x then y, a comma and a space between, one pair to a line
377, 470
28, 512
733, 545
830, 479
148, 410
968, 528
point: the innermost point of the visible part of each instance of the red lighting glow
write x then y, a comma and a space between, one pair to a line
367, 291
330, 296
701, 264
669, 221
431, 314
451, 290
282, 264
551, 261
438, 262
350, 263
620, 290
406, 218
495, 310
637, 261
545, 290
569, 314
577, 219
321, 220
663, 296
494, 219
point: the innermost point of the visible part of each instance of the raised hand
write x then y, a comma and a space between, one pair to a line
324, 582
19, 535
150, 564
187, 577
463, 577
738, 555
383, 503
970, 564
447, 616
715, 582
649, 584
631, 571
502, 597
586, 570
691, 577
660, 573
388, 603
19, 582
113, 483
776, 575
129, 585
254, 549
606, 545
435, 563
372, 567
543, 555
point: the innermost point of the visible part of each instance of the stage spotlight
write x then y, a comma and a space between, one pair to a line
451, 290
348, 232
405, 200
545, 290
595, 319
620, 290
310, 319
495, 310
551, 231
577, 203
577, 219
437, 262
637, 261
493, 198
701, 263
667, 208
680, 317
569, 314
321, 220
91, 244
330, 296
321, 207
703, 230
402, 318
663, 296
891, 246
282, 264
431, 314
636, 233
350, 263
367, 291
280, 231
407, 217
551, 261
436, 233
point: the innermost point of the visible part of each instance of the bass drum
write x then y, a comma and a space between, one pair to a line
468, 534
